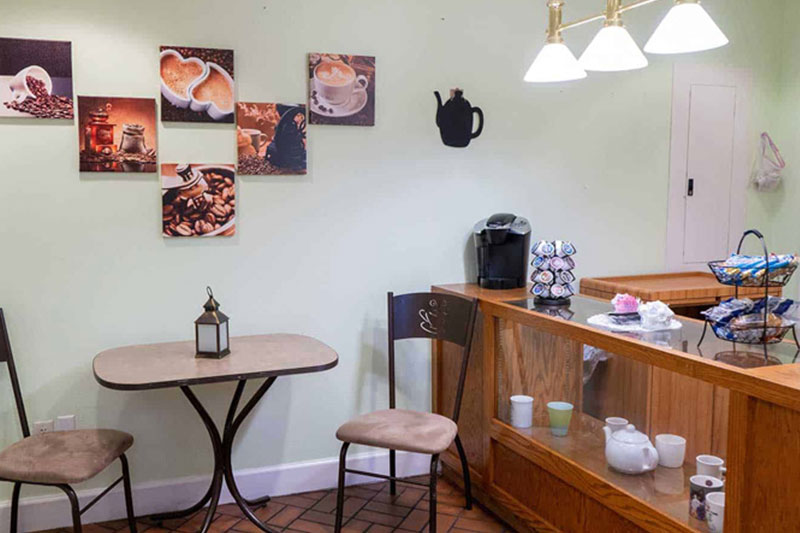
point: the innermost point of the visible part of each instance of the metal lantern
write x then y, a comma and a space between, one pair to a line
211, 330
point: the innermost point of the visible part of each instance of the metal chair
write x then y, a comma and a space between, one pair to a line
60, 458
413, 316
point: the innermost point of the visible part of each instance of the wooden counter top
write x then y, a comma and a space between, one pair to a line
774, 384
675, 289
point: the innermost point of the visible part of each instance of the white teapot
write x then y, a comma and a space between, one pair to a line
630, 451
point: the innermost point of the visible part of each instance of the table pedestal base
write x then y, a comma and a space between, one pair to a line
223, 448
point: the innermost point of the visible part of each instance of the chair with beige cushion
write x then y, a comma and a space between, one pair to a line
414, 316
61, 458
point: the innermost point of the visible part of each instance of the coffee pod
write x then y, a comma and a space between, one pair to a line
566, 276
568, 290
544, 248
541, 290
557, 263
540, 263
569, 263
564, 249
558, 291
544, 276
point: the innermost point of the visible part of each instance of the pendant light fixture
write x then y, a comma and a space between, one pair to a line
613, 49
555, 61
687, 27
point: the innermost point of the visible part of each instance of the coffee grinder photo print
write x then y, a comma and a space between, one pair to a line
36, 79
197, 85
341, 89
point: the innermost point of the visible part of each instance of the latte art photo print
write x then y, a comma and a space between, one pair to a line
341, 89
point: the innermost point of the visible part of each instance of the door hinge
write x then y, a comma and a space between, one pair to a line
690, 189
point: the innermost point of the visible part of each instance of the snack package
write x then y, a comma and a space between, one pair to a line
738, 269
743, 320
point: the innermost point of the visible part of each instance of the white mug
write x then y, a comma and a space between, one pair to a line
521, 411
710, 465
338, 94
257, 138
671, 450
715, 511
616, 423
19, 84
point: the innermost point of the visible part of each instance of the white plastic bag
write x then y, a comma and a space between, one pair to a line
769, 167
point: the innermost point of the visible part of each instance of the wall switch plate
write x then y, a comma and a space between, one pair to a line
43, 426
65, 423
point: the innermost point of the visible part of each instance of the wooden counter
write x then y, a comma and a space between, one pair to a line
686, 292
538, 482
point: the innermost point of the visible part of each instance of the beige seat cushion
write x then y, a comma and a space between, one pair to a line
63, 456
399, 429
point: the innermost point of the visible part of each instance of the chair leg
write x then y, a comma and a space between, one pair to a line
465, 470
76, 507
392, 472
126, 482
432, 519
340, 488
15, 506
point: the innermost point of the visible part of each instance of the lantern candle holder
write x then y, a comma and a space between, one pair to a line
212, 335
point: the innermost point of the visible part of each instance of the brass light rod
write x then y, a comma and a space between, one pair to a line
601, 16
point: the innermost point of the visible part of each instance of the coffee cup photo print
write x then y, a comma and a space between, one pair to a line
197, 84
36, 79
341, 89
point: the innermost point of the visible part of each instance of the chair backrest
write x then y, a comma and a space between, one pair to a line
429, 315
7, 357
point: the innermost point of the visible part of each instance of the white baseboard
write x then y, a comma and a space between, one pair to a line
48, 512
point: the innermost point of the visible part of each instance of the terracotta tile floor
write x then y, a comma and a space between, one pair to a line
368, 509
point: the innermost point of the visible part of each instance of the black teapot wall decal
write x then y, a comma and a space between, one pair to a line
455, 119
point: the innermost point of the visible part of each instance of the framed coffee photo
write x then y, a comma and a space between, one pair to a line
271, 138
198, 200
36, 79
341, 89
197, 84
117, 134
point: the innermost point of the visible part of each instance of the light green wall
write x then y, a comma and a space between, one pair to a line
777, 211
84, 267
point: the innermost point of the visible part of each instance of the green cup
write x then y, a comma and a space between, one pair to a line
560, 415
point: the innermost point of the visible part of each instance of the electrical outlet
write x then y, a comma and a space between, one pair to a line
65, 423
43, 426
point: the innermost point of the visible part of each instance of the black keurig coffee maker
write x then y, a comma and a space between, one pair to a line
502, 242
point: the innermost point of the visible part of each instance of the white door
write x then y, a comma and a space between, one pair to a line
709, 165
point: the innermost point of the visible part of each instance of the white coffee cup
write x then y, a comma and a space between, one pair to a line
521, 411
616, 423
19, 83
671, 450
336, 81
710, 465
257, 138
715, 511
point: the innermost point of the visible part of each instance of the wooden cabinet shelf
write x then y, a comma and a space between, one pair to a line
661, 383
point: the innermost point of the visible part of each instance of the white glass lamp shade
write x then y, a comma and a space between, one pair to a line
686, 28
223, 336
207, 338
554, 63
612, 50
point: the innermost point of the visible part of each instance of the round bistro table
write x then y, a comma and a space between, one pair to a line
174, 365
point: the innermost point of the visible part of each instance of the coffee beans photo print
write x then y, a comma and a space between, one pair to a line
196, 84
198, 200
117, 134
271, 138
36, 79
341, 89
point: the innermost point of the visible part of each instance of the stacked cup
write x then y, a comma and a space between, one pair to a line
552, 270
